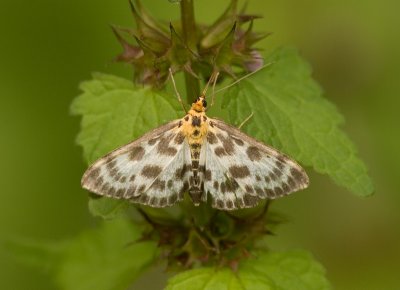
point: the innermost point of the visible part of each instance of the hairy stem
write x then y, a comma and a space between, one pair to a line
190, 38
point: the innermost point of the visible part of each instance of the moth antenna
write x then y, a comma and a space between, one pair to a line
243, 77
213, 88
176, 90
206, 87
213, 78
245, 120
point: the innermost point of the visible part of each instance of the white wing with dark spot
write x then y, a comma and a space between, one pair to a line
240, 171
152, 170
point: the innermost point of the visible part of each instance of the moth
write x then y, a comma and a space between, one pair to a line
198, 155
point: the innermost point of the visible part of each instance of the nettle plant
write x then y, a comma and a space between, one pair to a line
203, 247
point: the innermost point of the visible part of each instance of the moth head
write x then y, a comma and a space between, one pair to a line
200, 105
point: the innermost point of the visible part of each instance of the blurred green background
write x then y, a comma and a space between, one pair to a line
48, 47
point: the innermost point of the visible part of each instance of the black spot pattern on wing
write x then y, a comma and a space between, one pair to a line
244, 171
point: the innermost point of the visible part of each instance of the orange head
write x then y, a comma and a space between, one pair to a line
200, 105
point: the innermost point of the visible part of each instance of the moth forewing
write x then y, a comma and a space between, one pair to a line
242, 170
145, 170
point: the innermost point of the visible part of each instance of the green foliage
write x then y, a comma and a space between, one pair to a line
195, 49
106, 258
108, 208
114, 112
267, 271
109, 257
291, 115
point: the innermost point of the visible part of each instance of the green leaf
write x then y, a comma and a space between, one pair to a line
291, 115
115, 111
106, 258
108, 208
205, 278
267, 271
285, 270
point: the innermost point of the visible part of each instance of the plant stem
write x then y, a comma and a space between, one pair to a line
190, 38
